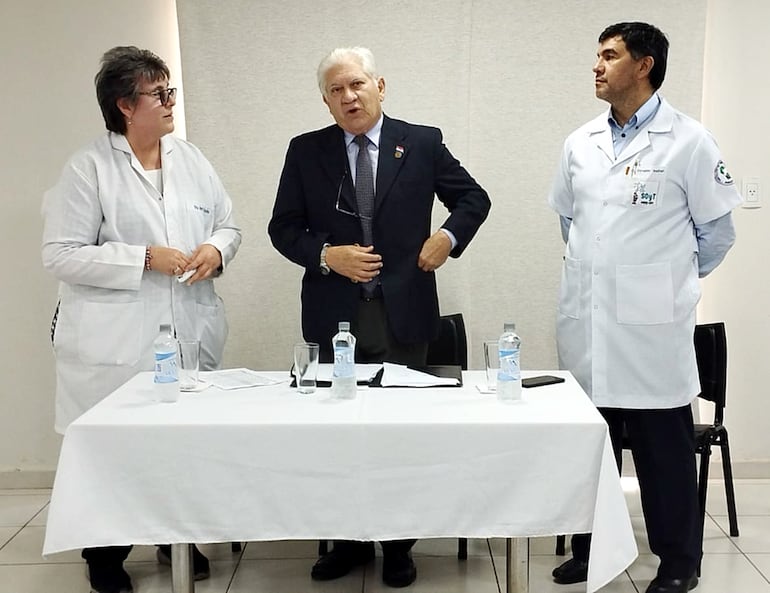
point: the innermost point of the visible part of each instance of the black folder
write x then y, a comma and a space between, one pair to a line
451, 371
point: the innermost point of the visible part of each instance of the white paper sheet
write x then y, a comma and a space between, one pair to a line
236, 379
397, 375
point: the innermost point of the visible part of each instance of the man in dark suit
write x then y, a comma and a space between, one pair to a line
354, 209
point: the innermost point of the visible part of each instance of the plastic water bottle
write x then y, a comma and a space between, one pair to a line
509, 375
344, 373
166, 374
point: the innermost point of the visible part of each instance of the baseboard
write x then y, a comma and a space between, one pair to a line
745, 470
741, 469
25, 479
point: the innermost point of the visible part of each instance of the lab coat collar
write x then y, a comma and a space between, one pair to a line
120, 142
599, 129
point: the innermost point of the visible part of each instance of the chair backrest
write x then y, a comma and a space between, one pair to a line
451, 346
711, 354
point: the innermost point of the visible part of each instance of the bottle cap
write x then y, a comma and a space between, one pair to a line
165, 327
509, 327
344, 326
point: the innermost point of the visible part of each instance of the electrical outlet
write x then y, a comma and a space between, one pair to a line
751, 192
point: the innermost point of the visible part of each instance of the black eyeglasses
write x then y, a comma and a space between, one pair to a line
163, 95
342, 210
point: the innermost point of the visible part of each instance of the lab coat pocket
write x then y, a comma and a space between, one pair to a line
571, 288
110, 333
645, 294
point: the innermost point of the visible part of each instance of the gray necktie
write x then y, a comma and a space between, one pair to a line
364, 187
365, 196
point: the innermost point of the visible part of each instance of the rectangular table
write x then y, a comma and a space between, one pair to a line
266, 463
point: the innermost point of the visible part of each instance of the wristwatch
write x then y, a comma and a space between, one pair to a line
324, 266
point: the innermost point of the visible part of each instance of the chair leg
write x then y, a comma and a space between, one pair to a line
462, 548
323, 547
727, 472
703, 480
235, 547
560, 545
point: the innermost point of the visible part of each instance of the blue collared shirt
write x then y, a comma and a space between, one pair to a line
622, 135
374, 150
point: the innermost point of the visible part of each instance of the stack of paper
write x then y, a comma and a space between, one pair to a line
397, 375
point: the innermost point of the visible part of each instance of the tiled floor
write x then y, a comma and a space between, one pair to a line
730, 565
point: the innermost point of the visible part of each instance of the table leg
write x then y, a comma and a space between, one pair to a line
182, 569
517, 565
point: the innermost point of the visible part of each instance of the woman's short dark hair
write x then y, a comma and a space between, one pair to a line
642, 40
122, 69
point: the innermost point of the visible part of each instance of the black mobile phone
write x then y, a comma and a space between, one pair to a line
541, 380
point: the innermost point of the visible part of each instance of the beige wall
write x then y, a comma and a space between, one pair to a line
516, 74
736, 96
49, 53
505, 81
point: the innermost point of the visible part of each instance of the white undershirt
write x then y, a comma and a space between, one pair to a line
155, 176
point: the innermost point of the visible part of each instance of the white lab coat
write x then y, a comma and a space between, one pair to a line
98, 220
629, 285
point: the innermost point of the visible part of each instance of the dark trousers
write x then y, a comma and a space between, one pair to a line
106, 555
663, 449
375, 343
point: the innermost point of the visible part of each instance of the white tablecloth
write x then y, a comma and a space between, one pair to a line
266, 463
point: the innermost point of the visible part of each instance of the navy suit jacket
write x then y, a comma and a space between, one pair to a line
413, 166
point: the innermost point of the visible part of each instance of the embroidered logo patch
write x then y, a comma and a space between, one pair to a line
721, 174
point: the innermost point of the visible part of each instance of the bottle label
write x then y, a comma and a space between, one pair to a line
343, 362
509, 366
165, 367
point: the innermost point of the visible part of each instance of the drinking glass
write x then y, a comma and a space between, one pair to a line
189, 360
492, 360
306, 366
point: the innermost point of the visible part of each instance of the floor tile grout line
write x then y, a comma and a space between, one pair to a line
27, 524
762, 574
10, 539
237, 566
630, 578
494, 566
730, 538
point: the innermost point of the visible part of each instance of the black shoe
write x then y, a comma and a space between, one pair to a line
398, 569
201, 570
341, 560
668, 585
572, 571
109, 578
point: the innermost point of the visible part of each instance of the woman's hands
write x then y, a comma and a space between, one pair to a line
204, 261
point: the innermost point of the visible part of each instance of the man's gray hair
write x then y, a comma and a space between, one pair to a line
340, 55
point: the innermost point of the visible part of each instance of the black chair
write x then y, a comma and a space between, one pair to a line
451, 345
711, 352
451, 348
711, 355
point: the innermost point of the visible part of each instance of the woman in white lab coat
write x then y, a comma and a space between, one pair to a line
132, 213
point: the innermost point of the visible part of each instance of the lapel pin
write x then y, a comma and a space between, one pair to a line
399, 151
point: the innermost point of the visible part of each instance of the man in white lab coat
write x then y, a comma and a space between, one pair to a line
644, 200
